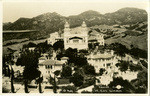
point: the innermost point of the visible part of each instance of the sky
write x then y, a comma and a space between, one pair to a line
13, 10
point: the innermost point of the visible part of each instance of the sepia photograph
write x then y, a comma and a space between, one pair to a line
75, 47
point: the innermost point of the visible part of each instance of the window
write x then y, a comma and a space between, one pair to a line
45, 67
84, 39
108, 64
75, 41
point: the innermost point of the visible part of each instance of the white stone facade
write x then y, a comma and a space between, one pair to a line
52, 38
76, 38
102, 60
96, 37
48, 67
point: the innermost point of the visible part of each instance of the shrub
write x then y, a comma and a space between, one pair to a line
89, 69
66, 71
77, 79
101, 71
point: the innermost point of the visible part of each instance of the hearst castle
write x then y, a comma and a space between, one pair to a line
79, 38
76, 37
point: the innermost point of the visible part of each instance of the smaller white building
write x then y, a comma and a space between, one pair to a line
64, 59
96, 37
54, 37
127, 75
51, 39
42, 59
48, 67
102, 60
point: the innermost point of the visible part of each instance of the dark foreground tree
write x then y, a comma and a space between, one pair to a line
77, 79
30, 61
12, 78
58, 45
39, 81
89, 69
66, 71
30, 74
123, 65
55, 86
141, 83
8, 60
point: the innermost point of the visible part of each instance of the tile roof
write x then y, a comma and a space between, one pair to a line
64, 58
51, 62
101, 56
92, 38
94, 32
42, 58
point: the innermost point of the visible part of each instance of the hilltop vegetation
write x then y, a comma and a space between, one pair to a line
130, 29
133, 35
50, 22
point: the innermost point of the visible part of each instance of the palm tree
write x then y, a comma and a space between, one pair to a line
39, 81
12, 78
26, 86
9, 58
55, 86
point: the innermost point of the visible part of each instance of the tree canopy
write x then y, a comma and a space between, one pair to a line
30, 61
44, 47
58, 45
77, 79
89, 69
125, 65
75, 58
66, 71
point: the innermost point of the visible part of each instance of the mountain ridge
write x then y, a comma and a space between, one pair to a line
51, 22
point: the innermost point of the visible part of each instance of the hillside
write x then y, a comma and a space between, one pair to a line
126, 16
90, 17
134, 35
129, 23
50, 22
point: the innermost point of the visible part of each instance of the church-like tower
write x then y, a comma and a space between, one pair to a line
85, 33
66, 34
76, 37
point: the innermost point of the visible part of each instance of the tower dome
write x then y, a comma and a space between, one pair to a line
83, 24
67, 25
